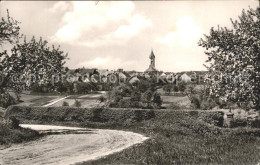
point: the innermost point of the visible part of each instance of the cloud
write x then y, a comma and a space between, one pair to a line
59, 6
96, 25
187, 33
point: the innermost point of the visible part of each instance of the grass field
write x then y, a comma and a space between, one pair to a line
183, 139
176, 137
87, 100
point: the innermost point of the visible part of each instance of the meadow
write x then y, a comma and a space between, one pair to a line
175, 137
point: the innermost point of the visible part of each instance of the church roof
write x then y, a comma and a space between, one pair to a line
151, 69
152, 55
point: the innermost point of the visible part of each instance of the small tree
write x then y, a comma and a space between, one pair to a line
157, 100
175, 88
65, 104
181, 86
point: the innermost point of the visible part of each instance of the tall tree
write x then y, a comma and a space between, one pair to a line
234, 60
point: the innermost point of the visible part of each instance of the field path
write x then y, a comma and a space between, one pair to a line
55, 101
70, 146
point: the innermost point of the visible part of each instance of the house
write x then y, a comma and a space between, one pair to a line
185, 78
133, 79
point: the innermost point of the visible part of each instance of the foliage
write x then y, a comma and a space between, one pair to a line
233, 55
29, 62
181, 86
195, 102
207, 104
65, 104
138, 95
77, 103
102, 99
157, 100
9, 30
175, 88
9, 135
238, 123
255, 123
178, 137
167, 88
6, 99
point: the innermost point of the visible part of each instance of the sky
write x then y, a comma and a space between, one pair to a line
121, 34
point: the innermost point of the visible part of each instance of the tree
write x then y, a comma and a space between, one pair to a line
29, 62
32, 62
167, 88
9, 30
234, 60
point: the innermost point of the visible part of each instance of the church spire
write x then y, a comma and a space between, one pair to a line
152, 56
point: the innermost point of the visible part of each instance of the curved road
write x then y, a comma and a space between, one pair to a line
71, 145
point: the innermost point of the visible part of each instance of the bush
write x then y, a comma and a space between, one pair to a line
215, 118
6, 100
238, 123
195, 102
208, 104
181, 86
77, 103
255, 123
124, 103
65, 104
175, 106
102, 99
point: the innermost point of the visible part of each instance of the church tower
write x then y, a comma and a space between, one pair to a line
152, 68
152, 58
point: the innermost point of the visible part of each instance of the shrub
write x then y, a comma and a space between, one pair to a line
255, 123
124, 103
175, 88
77, 103
238, 123
208, 104
102, 99
182, 86
65, 104
195, 102
215, 118
174, 106
6, 100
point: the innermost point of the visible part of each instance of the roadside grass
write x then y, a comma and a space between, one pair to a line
10, 135
175, 137
183, 139
41, 101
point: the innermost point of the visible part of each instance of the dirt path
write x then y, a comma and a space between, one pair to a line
71, 148
55, 101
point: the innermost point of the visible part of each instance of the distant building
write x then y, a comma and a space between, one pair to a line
133, 79
185, 78
152, 68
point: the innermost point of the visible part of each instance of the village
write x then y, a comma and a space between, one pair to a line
85, 87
